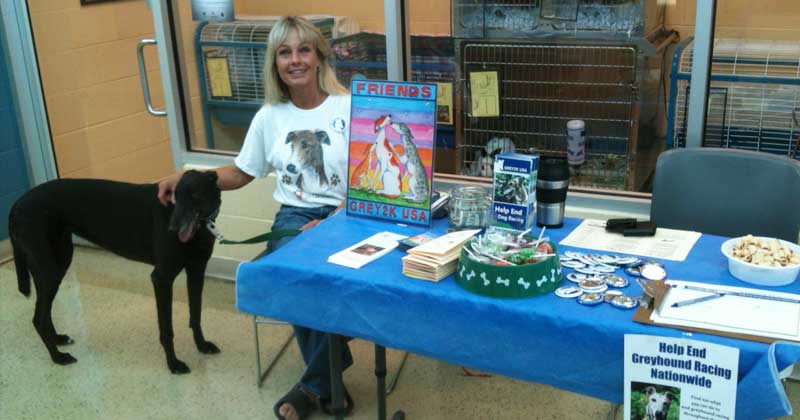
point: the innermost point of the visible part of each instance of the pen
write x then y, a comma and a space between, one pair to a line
741, 294
697, 300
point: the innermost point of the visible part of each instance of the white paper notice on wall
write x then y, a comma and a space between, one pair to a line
671, 378
212, 10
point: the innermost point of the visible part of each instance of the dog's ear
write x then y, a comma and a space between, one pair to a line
650, 390
290, 137
322, 136
669, 396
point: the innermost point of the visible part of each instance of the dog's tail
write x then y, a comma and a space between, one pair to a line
23, 275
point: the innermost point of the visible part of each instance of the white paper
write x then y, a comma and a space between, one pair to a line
763, 316
667, 244
689, 378
370, 249
444, 244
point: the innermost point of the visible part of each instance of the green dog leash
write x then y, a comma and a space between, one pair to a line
264, 237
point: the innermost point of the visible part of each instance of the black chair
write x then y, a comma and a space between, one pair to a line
727, 192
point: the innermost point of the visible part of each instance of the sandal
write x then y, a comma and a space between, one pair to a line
325, 405
302, 403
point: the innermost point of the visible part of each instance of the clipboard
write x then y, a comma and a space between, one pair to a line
659, 288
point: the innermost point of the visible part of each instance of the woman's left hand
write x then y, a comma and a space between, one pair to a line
310, 224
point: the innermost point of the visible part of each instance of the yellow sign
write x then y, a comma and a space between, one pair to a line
444, 103
218, 77
484, 93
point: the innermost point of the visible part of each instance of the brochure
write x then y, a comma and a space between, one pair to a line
675, 378
438, 258
416, 240
392, 138
366, 251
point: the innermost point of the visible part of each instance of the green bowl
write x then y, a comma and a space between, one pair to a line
510, 281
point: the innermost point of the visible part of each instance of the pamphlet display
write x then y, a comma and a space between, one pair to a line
392, 138
514, 190
673, 378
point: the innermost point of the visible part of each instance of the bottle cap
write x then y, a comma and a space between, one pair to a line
575, 125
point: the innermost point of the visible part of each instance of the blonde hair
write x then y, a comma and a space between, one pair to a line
275, 91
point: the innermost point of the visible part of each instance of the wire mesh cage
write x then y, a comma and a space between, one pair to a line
754, 95
242, 44
541, 87
230, 62
523, 18
364, 55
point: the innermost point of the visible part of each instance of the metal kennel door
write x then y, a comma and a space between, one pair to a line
541, 87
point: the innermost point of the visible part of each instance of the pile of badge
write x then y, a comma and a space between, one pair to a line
593, 276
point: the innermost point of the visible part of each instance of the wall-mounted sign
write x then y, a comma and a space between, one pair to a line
212, 10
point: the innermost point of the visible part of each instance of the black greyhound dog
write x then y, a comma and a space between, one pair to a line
128, 220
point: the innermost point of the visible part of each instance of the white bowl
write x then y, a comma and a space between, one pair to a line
759, 274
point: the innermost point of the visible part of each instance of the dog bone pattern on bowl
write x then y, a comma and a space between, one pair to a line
509, 281
761, 274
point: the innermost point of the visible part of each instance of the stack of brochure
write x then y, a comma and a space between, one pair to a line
438, 258
366, 251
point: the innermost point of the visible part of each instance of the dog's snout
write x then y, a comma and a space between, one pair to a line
292, 169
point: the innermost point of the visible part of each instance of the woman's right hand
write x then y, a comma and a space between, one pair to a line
166, 188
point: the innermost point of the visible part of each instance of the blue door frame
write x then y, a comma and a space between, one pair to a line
13, 169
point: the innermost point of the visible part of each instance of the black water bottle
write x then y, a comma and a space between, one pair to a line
551, 192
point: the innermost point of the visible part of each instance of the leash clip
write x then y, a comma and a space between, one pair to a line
213, 229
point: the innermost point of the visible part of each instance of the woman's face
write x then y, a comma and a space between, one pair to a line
297, 63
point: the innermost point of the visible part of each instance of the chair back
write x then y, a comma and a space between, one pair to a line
727, 192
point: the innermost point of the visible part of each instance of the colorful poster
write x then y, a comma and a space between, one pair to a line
392, 138
679, 379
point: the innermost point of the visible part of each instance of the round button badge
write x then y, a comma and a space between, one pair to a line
653, 272
590, 299
614, 280
611, 294
624, 302
568, 292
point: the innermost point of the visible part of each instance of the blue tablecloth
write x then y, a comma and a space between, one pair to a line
545, 339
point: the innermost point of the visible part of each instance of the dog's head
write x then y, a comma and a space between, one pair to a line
197, 200
657, 403
307, 152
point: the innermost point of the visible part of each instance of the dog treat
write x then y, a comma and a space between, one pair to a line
766, 252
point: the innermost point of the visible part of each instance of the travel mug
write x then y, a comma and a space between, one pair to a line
551, 192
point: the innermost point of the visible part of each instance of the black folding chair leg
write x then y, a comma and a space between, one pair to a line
396, 376
262, 376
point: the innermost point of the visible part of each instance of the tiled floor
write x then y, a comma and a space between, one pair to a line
106, 305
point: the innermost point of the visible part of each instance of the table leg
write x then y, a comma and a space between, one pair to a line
337, 389
380, 376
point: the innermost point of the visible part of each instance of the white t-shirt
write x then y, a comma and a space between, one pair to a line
307, 149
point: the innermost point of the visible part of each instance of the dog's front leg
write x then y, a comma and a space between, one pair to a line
195, 278
162, 286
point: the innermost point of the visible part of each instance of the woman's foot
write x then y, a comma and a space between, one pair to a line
297, 404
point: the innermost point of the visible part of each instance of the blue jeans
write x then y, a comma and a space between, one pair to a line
313, 344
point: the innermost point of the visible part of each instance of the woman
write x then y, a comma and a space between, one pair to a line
301, 133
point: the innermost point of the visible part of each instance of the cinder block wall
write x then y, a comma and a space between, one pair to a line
90, 78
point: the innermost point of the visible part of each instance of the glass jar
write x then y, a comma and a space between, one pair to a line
469, 207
